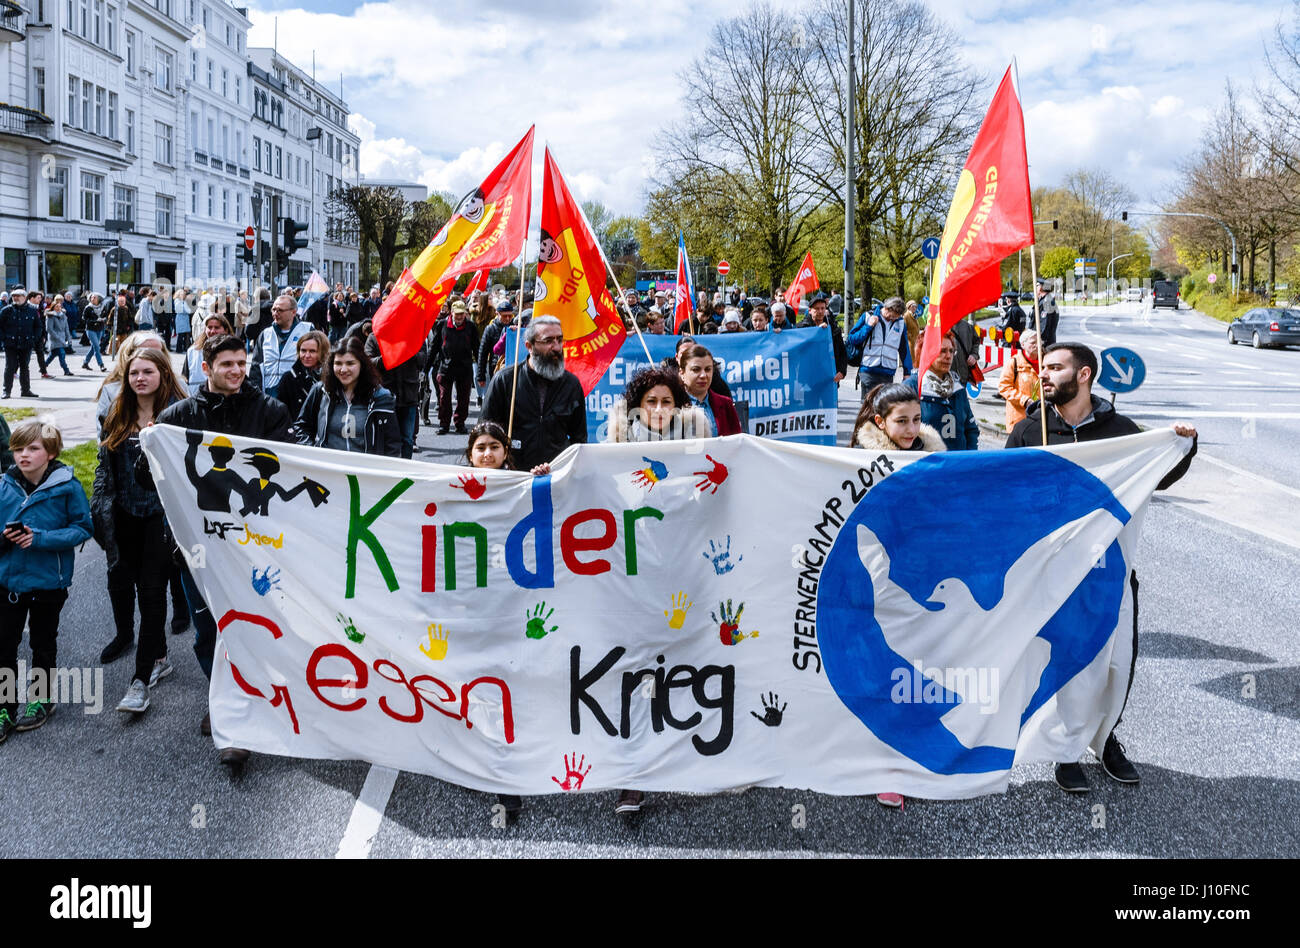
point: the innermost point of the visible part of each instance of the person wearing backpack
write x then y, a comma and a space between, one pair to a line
879, 341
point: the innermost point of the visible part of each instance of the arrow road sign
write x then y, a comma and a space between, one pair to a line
1122, 370
930, 248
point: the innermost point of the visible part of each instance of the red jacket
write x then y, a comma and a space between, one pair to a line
724, 414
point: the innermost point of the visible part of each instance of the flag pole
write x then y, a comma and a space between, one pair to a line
610, 270
1038, 331
514, 378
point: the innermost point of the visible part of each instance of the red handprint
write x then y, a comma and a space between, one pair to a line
573, 773
471, 485
711, 479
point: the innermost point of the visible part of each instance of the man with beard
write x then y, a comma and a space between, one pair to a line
550, 412
1075, 414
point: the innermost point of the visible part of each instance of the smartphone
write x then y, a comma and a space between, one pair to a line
14, 525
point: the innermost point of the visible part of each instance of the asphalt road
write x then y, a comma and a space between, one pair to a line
1219, 768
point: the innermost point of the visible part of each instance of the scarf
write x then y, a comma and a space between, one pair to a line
939, 387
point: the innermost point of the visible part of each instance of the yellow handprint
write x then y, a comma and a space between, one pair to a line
436, 648
680, 608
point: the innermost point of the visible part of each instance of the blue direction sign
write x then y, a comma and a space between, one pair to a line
930, 248
973, 389
1121, 370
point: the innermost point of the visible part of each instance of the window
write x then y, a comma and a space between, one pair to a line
58, 192
194, 65
194, 197
100, 99
130, 132
210, 257
162, 77
123, 203
112, 116
257, 153
85, 106
194, 130
83, 18
267, 166
92, 197
194, 259
110, 28
73, 85
163, 215
209, 73
211, 196
38, 89
239, 146
212, 136
229, 35
225, 82
225, 204
207, 19
131, 39
238, 91
97, 23
162, 143
239, 206
225, 142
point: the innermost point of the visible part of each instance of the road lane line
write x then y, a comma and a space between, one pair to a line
1284, 416
1241, 472
367, 813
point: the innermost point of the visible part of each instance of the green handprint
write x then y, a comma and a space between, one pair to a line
350, 628
536, 628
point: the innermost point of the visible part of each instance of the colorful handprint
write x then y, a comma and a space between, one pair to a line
470, 485
681, 606
711, 479
651, 474
729, 625
436, 647
720, 557
573, 772
350, 628
536, 627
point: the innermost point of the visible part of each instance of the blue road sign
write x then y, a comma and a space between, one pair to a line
973, 389
930, 248
1121, 370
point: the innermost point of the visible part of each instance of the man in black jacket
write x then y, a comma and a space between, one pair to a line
226, 404
20, 329
817, 311
1074, 414
452, 353
550, 411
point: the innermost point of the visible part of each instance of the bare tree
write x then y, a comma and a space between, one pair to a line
911, 131
745, 137
386, 221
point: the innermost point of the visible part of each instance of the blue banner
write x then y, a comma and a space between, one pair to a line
787, 379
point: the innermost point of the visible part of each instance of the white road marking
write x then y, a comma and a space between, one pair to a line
367, 813
1143, 413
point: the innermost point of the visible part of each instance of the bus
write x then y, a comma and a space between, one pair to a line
655, 280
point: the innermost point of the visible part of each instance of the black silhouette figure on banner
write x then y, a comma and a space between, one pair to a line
259, 491
213, 489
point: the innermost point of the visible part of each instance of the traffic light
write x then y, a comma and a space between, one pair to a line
245, 253
1124, 216
291, 231
1056, 224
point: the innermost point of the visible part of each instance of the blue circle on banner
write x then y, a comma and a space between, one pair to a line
927, 546
973, 389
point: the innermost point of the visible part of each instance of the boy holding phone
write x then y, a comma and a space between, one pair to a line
46, 516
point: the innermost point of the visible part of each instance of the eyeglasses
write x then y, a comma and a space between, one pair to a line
549, 340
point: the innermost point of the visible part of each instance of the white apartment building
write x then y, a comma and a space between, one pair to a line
217, 170
91, 127
303, 150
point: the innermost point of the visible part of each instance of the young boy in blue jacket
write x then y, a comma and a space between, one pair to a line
45, 515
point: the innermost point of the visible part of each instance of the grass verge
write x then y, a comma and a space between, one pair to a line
17, 414
83, 459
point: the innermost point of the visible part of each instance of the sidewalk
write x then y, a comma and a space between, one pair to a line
70, 400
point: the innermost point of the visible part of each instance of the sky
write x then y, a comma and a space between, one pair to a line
440, 91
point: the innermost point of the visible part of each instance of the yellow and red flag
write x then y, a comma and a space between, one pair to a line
487, 231
806, 282
991, 217
571, 283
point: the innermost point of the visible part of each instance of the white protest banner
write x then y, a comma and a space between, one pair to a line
690, 615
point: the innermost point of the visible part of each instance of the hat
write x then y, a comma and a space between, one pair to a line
505, 306
459, 307
220, 441
659, 293
731, 317
656, 311
17, 291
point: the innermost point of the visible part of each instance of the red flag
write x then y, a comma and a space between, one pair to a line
487, 231
991, 217
806, 282
571, 283
477, 282
684, 296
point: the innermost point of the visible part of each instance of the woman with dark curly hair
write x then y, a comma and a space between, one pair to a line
656, 407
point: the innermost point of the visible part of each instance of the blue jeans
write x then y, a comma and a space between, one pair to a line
58, 351
94, 336
406, 417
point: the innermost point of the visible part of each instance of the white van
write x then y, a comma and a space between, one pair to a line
1133, 294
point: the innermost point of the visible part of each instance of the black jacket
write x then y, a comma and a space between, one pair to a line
383, 436
248, 413
121, 319
1104, 423
295, 385
453, 351
92, 317
491, 333
837, 343
542, 428
403, 381
20, 326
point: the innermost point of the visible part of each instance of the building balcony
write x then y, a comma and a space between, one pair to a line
28, 123
13, 22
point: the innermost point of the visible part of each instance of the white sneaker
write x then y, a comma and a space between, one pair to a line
137, 698
161, 669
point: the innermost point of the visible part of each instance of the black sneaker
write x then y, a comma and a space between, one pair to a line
28, 395
1117, 766
180, 625
34, 715
114, 650
1070, 778
443, 431
629, 801
7, 725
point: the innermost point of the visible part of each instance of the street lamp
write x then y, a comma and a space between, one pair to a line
1110, 270
313, 135
1232, 275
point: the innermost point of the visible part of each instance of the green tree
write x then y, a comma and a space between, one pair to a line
1057, 262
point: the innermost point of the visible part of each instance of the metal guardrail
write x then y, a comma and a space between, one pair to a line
13, 17
16, 120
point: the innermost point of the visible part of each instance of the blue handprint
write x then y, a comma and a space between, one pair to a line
720, 557
267, 581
